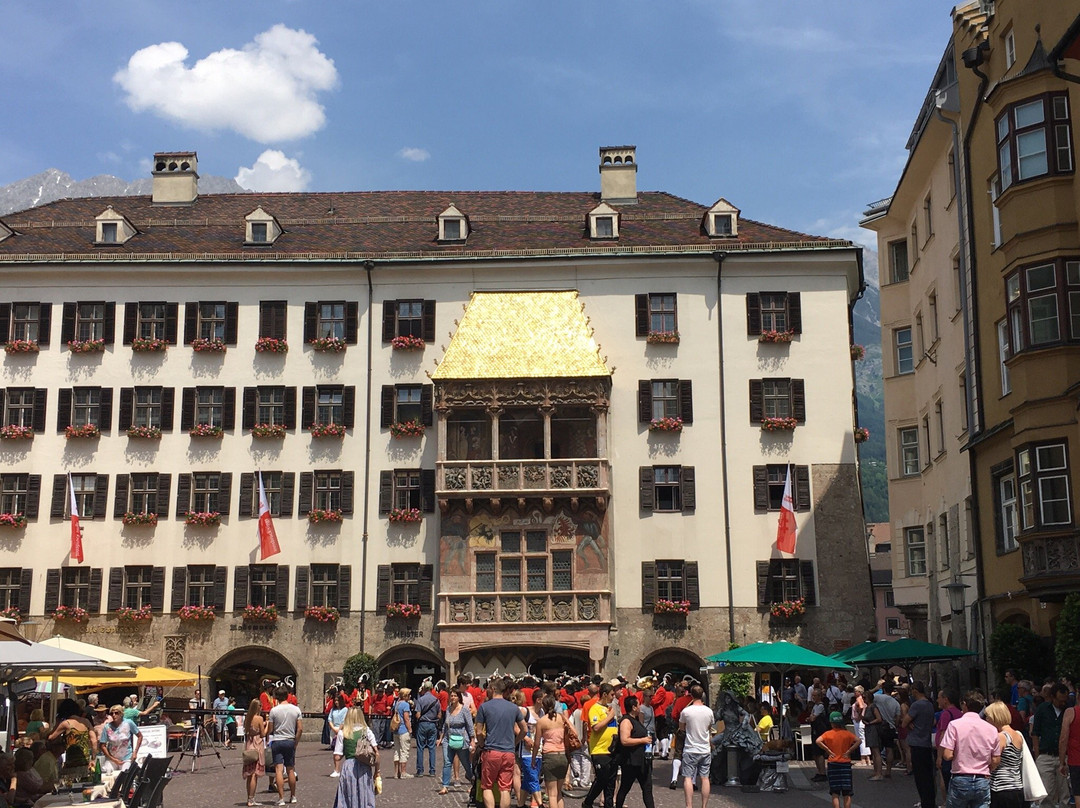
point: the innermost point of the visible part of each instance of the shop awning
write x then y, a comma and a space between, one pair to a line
142, 675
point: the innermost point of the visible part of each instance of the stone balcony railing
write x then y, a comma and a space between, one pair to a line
521, 477
536, 609
1051, 562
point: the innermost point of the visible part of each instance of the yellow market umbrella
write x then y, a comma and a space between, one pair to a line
143, 675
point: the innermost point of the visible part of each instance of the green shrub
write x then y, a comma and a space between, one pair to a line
1067, 647
737, 683
356, 665
1020, 649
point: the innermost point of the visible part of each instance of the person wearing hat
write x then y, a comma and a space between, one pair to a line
221, 711
838, 744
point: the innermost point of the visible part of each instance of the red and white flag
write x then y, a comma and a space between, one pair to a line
76, 530
268, 543
785, 530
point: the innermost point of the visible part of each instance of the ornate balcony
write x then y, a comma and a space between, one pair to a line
522, 478
1051, 564
499, 610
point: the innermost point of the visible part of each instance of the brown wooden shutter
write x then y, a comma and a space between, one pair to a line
809, 590
798, 400
347, 491
288, 484
131, 319
191, 322
232, 322
224, 499
648, 585
115, 598
427, 490
307, 492
273, 319
386, 409
757, 401
172, 311
240, 587
26, 583
247, 495
59, 496
691, 585
753, 314
120, 498
52, 591
761, 488
109, 324
763, 583
221, 580
644, 401
802, 488
352, 322
689, 488
250, 405
105, 409
300, 596
290, 407
382, 587
344, 588
426, 587
281, 586
179, 589
794, 307
44, 324
157, 589
310, 321
686, 401
646, 488
101, 493
63, 408
168, 404
427, 404
307, 408
187, 409
228, 409
348, 406
389, 320
40, 396
33, 495
428, 321
641, 315
127, 408
67, 322
183, 495
163, 485
386, 491
5, 323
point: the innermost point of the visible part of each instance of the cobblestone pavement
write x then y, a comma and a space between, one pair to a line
212, 785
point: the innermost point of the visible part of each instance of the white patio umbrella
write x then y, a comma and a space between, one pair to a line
115, 660
9, 631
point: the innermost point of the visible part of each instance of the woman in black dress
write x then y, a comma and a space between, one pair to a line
634, 738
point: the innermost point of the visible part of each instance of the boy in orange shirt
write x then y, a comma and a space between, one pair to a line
839, 743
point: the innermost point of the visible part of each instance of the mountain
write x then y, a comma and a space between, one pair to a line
53, 184
870, 393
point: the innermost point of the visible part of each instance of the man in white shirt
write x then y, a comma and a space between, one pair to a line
696, 720
286, 725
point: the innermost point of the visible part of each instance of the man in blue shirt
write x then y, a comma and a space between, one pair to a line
427, 724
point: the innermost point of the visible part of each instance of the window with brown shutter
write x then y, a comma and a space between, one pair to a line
786, 579
667, 488
273, 319
29, 322
779, 312
655, 313
665, 398
211, 320
777, 398
408, 318
769, 484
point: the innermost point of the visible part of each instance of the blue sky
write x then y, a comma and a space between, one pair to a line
797, 112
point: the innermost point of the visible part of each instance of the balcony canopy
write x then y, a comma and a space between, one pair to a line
522, 335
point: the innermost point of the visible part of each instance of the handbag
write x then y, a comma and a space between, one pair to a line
395, 722
250, 756
455, 740
1034, 790
571, 741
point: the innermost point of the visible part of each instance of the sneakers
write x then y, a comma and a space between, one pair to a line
671, 785
282, 802
335, 774
293, 801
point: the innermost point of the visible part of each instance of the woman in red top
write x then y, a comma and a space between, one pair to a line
1069, 747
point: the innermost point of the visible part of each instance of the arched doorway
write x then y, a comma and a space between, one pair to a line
245, 672
409, 665
537, 660
677, 661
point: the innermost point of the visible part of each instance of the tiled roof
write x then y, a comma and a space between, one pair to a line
377, 224
522, 335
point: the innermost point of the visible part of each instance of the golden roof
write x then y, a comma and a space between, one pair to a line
519, 335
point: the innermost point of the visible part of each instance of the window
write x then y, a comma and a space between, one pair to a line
209, 405
152, 321
206, 488
407, 493
898, 260
144, 490
409, 318
1006, 517
939, 423
212, 406
1010, 49
262, 585
451, 229
773, 311
86, 406
769, 482
410, 402
932, 308
328, 490
1003, 354
785, 579
926, 439
945, 538
405, 583
89, 321
667, 488
10, 587
329, 408
657, 313
331, 319
200, 585
258, 232
108, 232
892, 626
29, 322
148, 408
485, 572
14, 493
905, 362
24, 406
270, 406
75, 587
1072, 281
920, 345
137, 582
722, 224
914, 242
777, 398
669, 580
928, 217
84, 488
453, 226
212, 320
605, 226
890, 599
915, 547
278, 487
407, 488
962, 380
273, 319
957, 290
1043, 476
665, 398
525, 565
1044, 304
1034, 139
952, 175
909, 451
324, 585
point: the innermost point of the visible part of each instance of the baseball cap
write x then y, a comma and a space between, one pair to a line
221, 692
836, 718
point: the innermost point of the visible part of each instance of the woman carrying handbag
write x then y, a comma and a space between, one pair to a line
554, 730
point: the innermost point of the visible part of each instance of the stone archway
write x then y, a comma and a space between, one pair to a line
676, 661
244, 673
409, 665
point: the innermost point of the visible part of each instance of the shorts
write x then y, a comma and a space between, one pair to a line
553, 767
402, 747
696, 764
530, 775
497, 767
840, 781
284, 753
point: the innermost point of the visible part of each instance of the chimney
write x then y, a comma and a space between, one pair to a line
176, 181
618, 175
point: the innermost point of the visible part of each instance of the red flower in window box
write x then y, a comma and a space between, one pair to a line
402, 609
268, 431
778, 424
664, 606
197, 613
84, 431
260, 614
13, 432
86, 345
668, 424
407, 429
329, 344
148, 432
208, 345
202, 518
407, 343
328, 430
319, 515
126, 614
776, 336
322, 614
132, 518
662, 338
12, 520
12, 613
152, 345
857, 352
862, 434
405, 515
787, 609
271, 345
71, 614
206, 431
22, 346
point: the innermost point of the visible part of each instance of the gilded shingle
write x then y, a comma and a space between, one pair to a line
519, 335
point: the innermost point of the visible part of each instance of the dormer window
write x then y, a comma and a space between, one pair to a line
108, 232
722, 220
453, 225
5, 231
722, 224
261, 229
112, 228
603, 222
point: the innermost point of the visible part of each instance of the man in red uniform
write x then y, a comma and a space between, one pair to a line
475, 691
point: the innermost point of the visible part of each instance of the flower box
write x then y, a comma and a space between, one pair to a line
407, 343
197, 613
862, 434
778, 424
328, 430
407, 429
662, 338
322, 614
319, 515
13, 432
664, 606
402, 609
71, 614
208, 345
268, 431
260, 614
857, 352
86, 345
206, 431
787, 609
12, 613
271, 345
151, 345
126, 614
148, 432
668, 424
405, 515
776, 336
83, 431
329, 344
202, 518
22, 346
12, 520
132, 518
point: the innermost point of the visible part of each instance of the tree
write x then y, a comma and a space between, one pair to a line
737, 683
1020, 649
356, 665
1067, 647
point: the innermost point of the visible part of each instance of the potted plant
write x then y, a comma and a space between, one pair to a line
12, 520
149, 345
202, 518
71, 614
206, 431
147, 432
133, 518
787, 609
268, 431
776, 336
407, 429
407, 343
86, 345
405, 515
12, 613
130, 616
668, 424
271, 345
317, 516
862, 434
208, 345
662, 338
857, 352
197, 613
402, 609
322, 614
14, 432
22, 346
328, 430
82, 431
260, 614
329, 344
665, 606
770, 424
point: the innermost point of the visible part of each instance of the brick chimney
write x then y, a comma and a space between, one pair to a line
618, 175
176, 180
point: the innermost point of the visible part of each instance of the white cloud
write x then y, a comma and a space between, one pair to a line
414, 154
268, 91
273, 171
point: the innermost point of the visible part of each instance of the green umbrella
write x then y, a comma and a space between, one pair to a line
904, 652
780, 655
